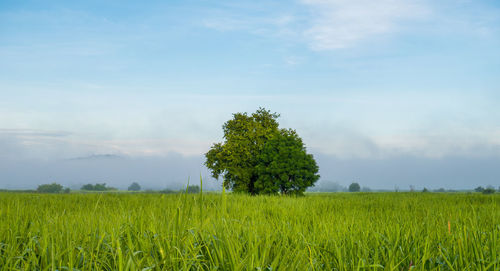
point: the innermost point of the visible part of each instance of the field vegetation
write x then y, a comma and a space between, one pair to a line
340, 231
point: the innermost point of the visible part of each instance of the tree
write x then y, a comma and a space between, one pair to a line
284, 166
354, 187
97, 187
100, 187
134, 187
88, 187
258, 157
50, 188
479, 189
489, 190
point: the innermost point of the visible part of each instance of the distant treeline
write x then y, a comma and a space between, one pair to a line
97, 187
191, 189
18, 190
325, 187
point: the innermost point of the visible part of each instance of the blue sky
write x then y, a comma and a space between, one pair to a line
381, 81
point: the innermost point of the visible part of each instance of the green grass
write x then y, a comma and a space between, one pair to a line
341, 231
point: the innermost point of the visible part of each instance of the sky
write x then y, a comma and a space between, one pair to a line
385, 93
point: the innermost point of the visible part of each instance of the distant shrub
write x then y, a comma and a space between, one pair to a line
97, 187
425, 190
88, 187
354, 187
100, 187
479, 189
50, 188
440, 190
134, 187
489, 190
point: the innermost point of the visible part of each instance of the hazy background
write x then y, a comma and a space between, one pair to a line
385, 93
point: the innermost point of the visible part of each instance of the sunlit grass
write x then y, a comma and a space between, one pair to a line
341, 231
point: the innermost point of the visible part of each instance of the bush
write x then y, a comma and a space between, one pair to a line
100, 187
88, 187
354, 187
479, 189
97, 187
134, 187
50, 188
489, 190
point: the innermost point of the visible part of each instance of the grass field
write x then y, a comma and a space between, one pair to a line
340, 231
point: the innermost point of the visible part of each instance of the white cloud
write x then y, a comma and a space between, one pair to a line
343, 23
325, 24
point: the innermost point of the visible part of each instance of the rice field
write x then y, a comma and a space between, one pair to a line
330, 231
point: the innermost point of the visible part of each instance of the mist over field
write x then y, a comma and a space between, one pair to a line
29, 158
173, 170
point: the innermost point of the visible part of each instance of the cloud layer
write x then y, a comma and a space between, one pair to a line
325, 24
340, 24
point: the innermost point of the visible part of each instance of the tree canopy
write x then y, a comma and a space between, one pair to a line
134, 187
354, 187
258, 157
50, 188
96, 187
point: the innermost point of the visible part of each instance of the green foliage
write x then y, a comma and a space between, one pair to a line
88, 187
284, 166
354, 187
249, 160
342, 231
489, 190
479, 189
134, 187
50, 188
100, 187
97, 187
425, 190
